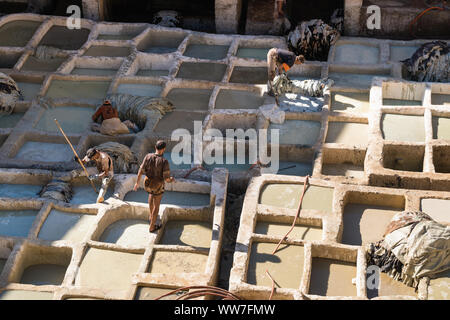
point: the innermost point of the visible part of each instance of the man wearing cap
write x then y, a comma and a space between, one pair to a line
105, 169
278, 61
157, 171
105, 112
106, 120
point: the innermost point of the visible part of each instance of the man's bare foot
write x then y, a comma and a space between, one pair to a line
100, 200
156, 228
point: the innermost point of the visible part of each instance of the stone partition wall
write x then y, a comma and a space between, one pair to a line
326, 237
409, 138
116, 233
348, 140
218, 80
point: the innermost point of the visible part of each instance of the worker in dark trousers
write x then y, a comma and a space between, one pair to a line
278, 61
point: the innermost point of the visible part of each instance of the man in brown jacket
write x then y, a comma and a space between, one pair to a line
157, 171
105, 112
106, 121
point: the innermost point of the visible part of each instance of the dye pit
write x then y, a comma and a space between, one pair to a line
93, 72
105, 51
289, 132
167, 262
10, 121
152, 73
372, 138
18, 191
332, 278
356, 54
252, 53
203, 51
70, 118
29, 90
142, 90
352, 102
16, 223
68, 226
127, 233
365, 224
286, 267
403, 128
45, 152
202, 71
233, 99
33, 64
76, 90
17, 33
288, 196
190, 99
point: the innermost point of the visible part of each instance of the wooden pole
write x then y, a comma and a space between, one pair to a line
305, 185
78, 158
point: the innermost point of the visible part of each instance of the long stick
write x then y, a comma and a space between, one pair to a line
290, 167
273, 284
305, 185
78, 158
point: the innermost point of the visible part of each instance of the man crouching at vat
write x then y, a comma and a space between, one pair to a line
279, 61
157, 171
106, 121
105, 169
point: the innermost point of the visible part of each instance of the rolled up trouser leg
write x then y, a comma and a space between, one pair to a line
271, 63
154, 201
104, 188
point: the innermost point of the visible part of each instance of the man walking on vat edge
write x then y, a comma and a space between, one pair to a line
157, 171
278, 61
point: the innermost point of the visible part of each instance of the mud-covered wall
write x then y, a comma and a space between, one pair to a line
401, 19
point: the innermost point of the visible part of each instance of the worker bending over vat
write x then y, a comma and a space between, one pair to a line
279, 61
105, 169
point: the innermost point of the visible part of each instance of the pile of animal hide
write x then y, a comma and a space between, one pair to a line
281, 84
38, 6
9, 94
124, 160
337, 20
57, 190
46, 52
414, 246
430, 63
313, 39
168, 18
137, 109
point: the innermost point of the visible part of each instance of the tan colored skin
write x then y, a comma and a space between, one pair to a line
299, 59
